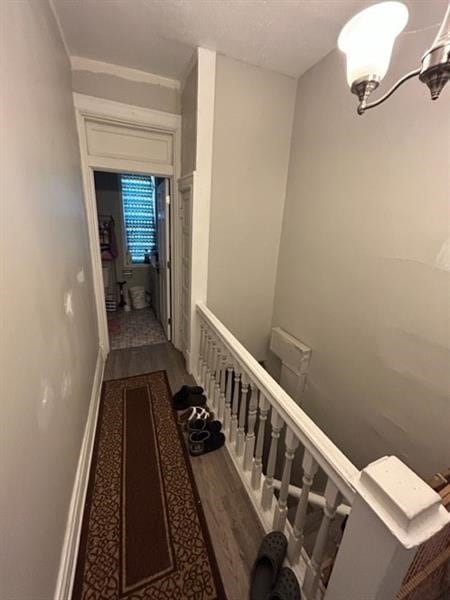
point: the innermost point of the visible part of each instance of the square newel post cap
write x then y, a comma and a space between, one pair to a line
410, 509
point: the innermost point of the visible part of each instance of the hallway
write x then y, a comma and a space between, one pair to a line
297, 256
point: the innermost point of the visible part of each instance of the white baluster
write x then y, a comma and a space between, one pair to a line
212, 377
250, 439
240, 441
332, 500
257, 463
221, 411
291, 443
234, 408
218, 364
201, 353
267, 493
228, 392
207, 375
296, 538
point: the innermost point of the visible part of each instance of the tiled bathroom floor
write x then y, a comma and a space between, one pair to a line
134, 328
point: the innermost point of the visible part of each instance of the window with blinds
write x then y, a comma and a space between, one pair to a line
138, 201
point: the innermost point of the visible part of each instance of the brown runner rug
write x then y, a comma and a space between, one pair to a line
144, 535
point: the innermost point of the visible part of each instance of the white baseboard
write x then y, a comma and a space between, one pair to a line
69, 552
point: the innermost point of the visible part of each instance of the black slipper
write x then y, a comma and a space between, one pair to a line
204, 424
197, 441
215, 441
188, 401
213, 426
202, 442
267, 565
286, 587
185, 391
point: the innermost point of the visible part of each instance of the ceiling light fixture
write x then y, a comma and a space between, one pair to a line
367, 41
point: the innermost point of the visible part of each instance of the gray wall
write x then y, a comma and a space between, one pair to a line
189, 122
252, 130
364, 259
147, 95
48, 329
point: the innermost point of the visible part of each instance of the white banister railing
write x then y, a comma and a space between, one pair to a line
390, 510
328, 456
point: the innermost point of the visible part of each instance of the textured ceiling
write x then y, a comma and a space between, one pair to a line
159, 36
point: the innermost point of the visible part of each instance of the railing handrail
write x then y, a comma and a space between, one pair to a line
336, 465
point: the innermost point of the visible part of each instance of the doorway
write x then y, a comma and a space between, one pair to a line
133, 213
121, 138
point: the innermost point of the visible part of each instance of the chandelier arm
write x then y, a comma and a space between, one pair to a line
363, 106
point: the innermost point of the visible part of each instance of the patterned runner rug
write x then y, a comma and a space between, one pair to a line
144, 535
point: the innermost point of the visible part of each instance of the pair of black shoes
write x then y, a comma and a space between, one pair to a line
187, 396
271, 581
204, 434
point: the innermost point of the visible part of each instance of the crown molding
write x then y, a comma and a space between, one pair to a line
78, 63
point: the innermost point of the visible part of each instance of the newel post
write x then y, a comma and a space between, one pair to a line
393, 512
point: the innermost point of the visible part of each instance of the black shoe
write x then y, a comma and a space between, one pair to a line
286, 587
204, 425
185, 391
188, 401
204, 441
267, 565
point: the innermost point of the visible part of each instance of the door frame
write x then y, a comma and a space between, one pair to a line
117, 113
164, 267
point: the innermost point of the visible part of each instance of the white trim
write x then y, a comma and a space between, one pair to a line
90, 204
78, 63
88, 107
185, 184
175, 242
69, 552
93, 107
202, 191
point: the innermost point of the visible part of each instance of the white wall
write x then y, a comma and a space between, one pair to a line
120, 89
48, 354
252, 129
363, 268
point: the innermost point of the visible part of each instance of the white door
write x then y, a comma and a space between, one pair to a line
163, 246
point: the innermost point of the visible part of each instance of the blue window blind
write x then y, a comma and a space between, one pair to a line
138, 199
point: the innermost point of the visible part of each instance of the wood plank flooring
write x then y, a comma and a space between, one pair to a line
232, 522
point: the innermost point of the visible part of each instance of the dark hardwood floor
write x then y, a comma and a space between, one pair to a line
232, 522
